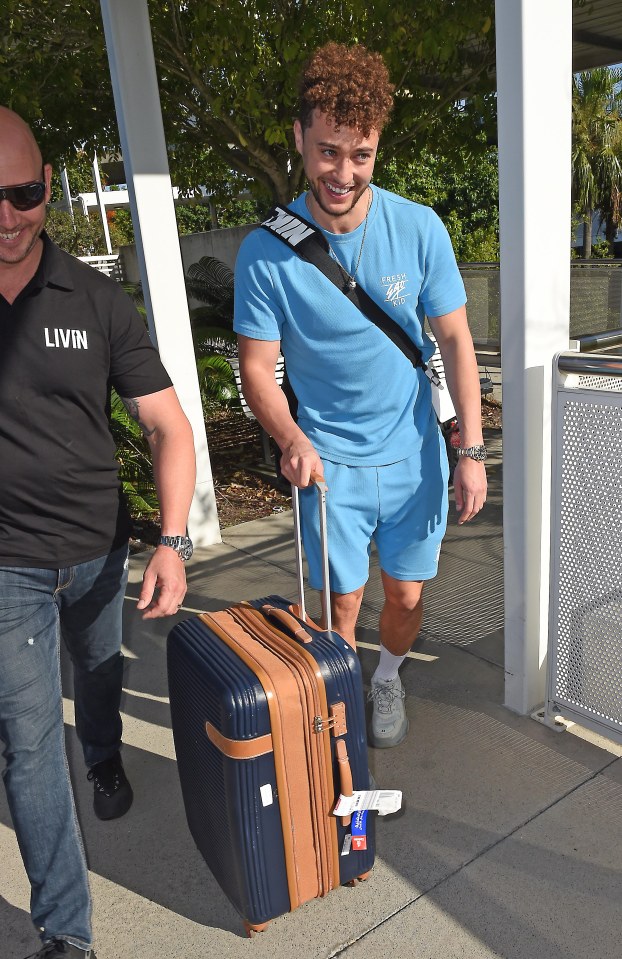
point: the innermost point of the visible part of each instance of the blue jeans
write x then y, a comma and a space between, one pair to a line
84, 604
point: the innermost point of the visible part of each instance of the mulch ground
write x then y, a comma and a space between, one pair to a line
246, 488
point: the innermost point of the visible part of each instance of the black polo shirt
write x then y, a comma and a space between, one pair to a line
69, 335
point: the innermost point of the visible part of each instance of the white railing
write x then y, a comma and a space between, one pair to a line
279, 372
584, 669
105, 264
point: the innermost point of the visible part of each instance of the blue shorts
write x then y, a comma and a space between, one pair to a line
402, 507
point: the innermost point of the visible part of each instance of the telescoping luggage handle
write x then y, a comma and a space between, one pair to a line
320, 485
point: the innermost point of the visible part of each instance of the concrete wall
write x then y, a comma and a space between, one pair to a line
221, 244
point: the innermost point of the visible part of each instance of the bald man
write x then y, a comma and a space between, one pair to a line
66, 334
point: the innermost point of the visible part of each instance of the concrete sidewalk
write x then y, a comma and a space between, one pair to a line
508, 844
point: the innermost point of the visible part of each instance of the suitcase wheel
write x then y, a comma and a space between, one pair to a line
362, 878
251, 930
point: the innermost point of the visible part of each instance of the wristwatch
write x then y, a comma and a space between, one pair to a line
181, 544
478, 453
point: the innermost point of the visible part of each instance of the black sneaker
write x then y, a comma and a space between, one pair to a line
59, 948
112, 793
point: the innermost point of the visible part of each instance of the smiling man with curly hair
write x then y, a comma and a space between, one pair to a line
364, 419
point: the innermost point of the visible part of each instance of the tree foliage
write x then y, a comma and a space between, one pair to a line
597, 149
134, 458
53, 72
80, 236
228, 70
463, 190
210, 281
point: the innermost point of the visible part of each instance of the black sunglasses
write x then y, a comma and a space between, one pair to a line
24, 196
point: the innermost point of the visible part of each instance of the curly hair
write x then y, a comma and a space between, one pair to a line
348, 84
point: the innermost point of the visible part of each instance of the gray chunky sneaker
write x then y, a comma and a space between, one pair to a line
389, 722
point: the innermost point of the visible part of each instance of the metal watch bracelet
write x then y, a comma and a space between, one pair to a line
477, 453
181, 544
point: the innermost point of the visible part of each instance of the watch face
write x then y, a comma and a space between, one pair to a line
477, 453
185, 548
181, 544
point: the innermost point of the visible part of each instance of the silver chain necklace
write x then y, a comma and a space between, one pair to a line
350, 279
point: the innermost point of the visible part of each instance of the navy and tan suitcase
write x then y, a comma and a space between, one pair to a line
269, 727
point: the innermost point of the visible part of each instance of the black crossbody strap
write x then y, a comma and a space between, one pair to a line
311, 245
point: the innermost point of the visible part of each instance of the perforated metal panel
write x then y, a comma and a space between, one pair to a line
609, 383
585, 640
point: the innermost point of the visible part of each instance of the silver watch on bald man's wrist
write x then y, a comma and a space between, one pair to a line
181, 544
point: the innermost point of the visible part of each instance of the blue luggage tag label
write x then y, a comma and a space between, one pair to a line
359, 830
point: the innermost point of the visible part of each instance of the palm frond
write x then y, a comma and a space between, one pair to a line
597, 145
216, 380
134, 457
135, 292
211, 281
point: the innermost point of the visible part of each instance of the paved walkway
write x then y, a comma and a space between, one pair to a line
508, 844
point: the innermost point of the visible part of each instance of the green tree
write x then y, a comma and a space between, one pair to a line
80, 236
228, 69
597, 150
463, 190
610, 207
216, 214
79, 172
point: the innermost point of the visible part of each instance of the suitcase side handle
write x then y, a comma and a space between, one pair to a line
239, 748
318, 481
346, 787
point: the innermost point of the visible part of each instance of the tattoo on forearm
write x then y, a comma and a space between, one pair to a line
133, 408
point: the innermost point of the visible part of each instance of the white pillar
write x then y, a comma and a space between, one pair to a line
64, 182
99, 195
139, 115
534, 75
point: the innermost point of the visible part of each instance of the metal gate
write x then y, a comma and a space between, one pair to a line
584, 681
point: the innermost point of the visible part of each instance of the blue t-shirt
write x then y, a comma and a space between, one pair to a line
360, 400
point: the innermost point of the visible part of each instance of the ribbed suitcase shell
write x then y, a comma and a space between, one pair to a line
236, 827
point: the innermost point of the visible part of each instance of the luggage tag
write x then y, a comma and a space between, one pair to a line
384, 801
356, 840
359, 830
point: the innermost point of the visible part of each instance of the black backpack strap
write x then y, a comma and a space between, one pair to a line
311, 245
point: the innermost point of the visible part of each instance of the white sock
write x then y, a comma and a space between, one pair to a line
388, 667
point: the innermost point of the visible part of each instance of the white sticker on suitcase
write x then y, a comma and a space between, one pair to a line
266, 794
